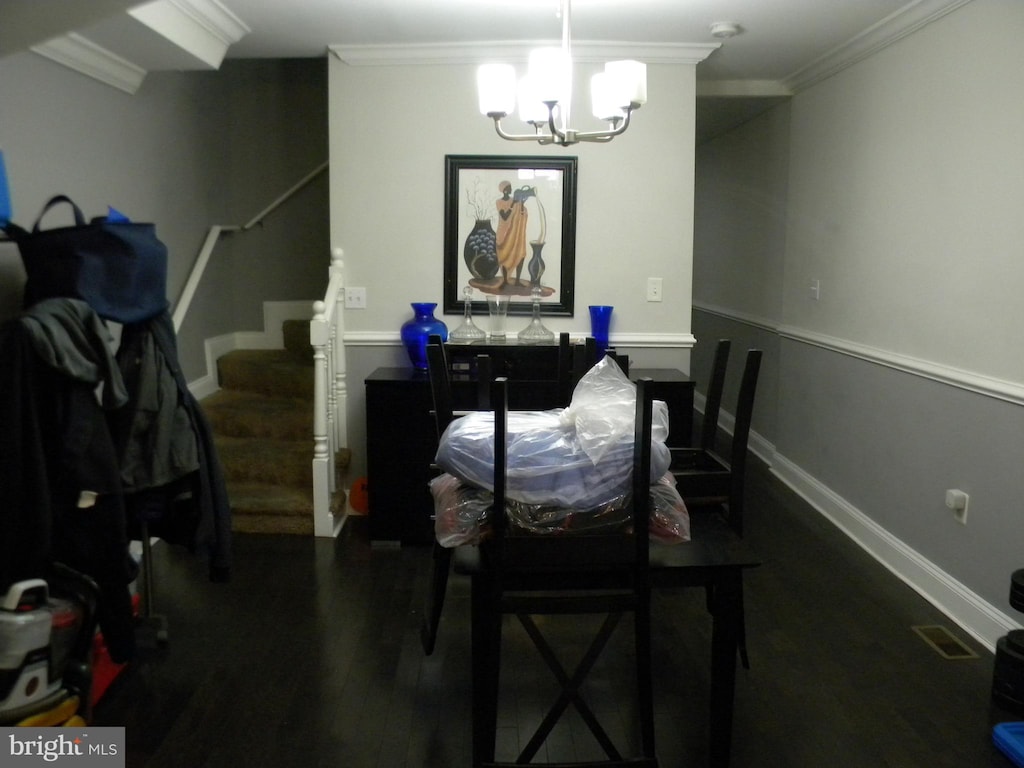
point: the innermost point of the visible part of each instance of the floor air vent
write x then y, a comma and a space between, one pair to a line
944, 642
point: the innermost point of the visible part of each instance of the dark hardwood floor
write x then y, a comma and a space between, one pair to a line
311, 657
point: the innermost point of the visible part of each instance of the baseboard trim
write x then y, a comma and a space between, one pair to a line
983, 621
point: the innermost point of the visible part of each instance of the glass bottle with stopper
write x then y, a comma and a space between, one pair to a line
535, 331
468, 331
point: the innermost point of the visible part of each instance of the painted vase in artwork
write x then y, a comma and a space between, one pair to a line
417, 329
481, 250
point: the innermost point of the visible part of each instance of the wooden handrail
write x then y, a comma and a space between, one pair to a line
213, 236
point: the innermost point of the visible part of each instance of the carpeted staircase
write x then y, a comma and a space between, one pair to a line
262, 418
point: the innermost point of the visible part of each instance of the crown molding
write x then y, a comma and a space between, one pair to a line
884, 33
84, 56
517, 51
203, 28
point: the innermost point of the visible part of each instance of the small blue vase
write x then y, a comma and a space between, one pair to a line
600, 321
417, 329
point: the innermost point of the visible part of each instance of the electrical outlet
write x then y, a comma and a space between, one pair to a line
654, 289
355, 298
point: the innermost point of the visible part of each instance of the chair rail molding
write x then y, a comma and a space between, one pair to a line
979, 383
634, 340
999, 389
740, 317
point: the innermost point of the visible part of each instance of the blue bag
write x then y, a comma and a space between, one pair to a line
118, 267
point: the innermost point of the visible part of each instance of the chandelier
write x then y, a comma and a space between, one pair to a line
545, 93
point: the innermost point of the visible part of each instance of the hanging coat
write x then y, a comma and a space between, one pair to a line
60, 489
172, 474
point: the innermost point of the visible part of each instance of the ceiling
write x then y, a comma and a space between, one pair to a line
782, 45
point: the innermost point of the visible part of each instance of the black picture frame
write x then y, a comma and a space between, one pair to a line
537, 194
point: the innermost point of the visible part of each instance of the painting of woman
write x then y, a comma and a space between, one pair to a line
511, 234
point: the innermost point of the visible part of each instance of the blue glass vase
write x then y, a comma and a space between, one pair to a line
600, 321
417, 329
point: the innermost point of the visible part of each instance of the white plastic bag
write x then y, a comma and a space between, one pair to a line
603, 410
579, 458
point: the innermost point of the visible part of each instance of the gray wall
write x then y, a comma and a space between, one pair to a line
187, 151
894, 183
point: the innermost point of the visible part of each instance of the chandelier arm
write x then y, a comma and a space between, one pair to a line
559, 137
538, 136
609, 134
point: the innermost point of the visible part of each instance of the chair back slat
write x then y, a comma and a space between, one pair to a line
713, 398
566, 381
440, 384
741, 437
641, 501
499, 399
483, 382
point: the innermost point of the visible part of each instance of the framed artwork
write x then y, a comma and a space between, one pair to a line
510, 228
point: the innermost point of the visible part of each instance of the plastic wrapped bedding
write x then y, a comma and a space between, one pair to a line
462, 514
567, 469
580, 457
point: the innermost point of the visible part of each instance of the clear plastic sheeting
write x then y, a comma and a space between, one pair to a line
568, 470
603, 410
463, 512
580, 457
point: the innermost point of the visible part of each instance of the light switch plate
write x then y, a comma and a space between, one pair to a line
355, 298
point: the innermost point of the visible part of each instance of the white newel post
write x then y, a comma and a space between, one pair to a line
326, 333
339, 380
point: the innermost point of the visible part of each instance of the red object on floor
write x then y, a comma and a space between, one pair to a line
358, 496
105, 670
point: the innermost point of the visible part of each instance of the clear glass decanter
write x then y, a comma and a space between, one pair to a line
536, 331
468, 331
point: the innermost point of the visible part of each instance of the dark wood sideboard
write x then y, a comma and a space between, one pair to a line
401, 440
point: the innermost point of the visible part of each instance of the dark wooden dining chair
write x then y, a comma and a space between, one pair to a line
713, 487
705, 478
514, 572
444, 413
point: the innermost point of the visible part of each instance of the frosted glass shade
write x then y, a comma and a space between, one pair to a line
627, 82
602, 103
550, 71
531, 108
496, 88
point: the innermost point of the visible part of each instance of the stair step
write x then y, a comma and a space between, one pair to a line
268, 460
250, 414
267, 508
262, 420
266, 371
296, 340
